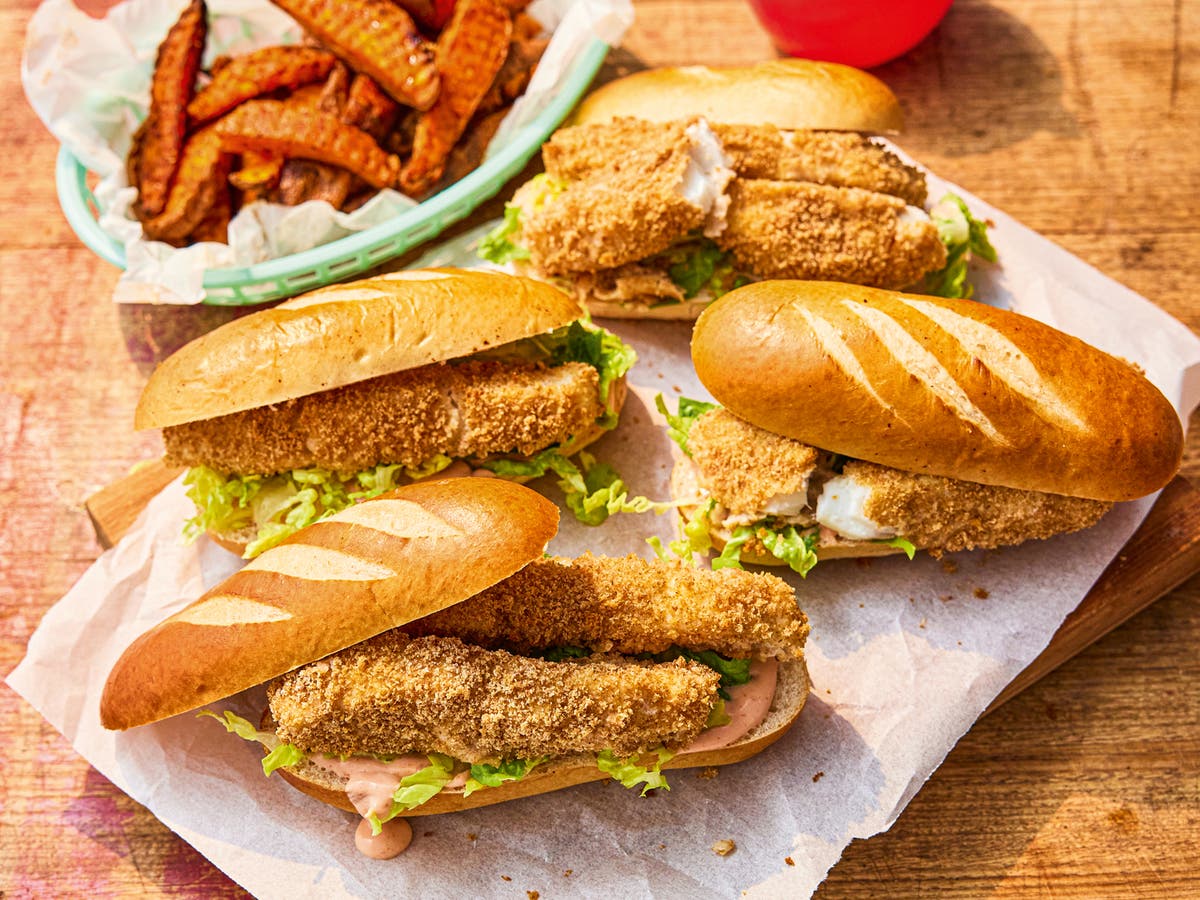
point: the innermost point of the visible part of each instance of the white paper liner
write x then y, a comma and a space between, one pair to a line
89, 80
904, 657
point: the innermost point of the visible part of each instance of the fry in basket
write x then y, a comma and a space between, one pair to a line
171, 89
269, 125
369, 108
303, 180
259, 171
198, 186
376, 37
469, 53
260, 72
215, 226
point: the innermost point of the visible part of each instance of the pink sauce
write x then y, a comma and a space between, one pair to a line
391, 841
747, 706
370, 783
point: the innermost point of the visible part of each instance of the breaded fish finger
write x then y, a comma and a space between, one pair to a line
469, 410
629, 606
394, 695
787, 229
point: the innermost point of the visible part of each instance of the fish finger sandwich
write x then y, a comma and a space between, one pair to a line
655, 212
421, 655
855, 422
290, 414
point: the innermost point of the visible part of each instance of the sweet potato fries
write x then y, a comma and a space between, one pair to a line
381, 94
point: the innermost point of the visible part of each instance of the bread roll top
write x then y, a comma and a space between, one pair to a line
368, 569
946, 387
346, 333
789, 93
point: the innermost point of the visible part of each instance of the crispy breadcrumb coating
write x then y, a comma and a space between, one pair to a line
392, 695
837, 158
842, 159
629, 606
473, 409
787, 229
628, 209
947, 514
743, 466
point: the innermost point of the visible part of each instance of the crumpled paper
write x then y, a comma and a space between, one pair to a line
88, 80
904, 657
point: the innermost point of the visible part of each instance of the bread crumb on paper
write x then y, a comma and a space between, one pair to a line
982, 593
567, 873
724, 847
532, 895
505, 878
472, 836
789, 860
818, 777
949, 566
708, 773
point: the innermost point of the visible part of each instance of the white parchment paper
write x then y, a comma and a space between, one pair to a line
904, 657
89, 82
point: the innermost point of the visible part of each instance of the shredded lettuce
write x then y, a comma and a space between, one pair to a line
686, 414
631, 774
278, 506
717, 715
731, 555
280, 754
419, 787
696, 537
697, 264
965, 237
795, 548
592, 493
497, 246
602, 350
483, 775
904, 544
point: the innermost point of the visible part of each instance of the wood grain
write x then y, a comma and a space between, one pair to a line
1077, 118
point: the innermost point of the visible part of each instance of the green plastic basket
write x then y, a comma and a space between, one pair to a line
348, 256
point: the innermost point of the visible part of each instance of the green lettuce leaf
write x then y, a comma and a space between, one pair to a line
602, 350
679, 424
592, 493
483, 775
419, 787
498, 246
280, 754
717, 715
631, 774
731, 555
904, 544
697, 264
965, 237
280, 505
696, 537
795, 549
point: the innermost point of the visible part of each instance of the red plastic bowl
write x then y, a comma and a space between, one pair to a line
860, 33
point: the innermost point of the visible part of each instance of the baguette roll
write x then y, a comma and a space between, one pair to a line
347, 333
791, 93
368, 569
941, 387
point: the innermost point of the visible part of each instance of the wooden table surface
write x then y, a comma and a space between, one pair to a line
1080, 119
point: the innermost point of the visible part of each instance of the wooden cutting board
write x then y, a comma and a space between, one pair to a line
1161, 555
